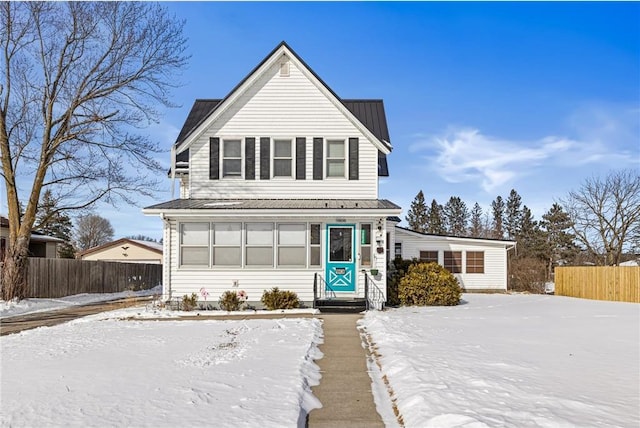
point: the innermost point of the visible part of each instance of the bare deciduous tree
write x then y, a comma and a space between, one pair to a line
606, 215
92, 231
78, 81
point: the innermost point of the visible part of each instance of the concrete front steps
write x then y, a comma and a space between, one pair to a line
341, 305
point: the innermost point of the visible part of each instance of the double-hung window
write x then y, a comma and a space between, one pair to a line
291, 244
232, 158
365, 245
314, 245
259, 244
227, 244
335, 158
194, 244
282, 158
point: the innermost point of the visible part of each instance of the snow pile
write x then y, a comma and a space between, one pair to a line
161, 374
10, 308
512, 360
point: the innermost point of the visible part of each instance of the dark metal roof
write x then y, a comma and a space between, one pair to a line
506, 241
266, 204
369, 112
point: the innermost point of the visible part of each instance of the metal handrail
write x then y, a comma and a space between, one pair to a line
373, 295
322, 292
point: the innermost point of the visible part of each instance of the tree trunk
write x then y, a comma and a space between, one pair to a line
14, 271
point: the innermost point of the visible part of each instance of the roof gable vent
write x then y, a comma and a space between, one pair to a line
285, 67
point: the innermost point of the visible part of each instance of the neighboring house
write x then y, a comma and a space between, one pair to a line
125, 250
40, 245
479, 264
279, 188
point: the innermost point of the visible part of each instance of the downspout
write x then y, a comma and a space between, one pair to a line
166, 251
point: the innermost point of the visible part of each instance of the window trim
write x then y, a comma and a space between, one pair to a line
310, 245
345, 158
291, 158
363, 245
241, 158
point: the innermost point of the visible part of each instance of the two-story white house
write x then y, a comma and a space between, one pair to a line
278, 188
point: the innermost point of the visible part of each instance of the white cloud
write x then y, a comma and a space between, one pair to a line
602, 138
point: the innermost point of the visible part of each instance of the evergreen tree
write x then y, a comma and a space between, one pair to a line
53, 222
475, 227
456, 216
435, 220
417, 215
497, 208
529, 236
513, 215
559, 241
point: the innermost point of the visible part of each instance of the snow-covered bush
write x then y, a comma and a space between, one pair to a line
279, 299
429, 284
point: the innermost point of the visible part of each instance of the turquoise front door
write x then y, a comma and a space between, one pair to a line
341, 260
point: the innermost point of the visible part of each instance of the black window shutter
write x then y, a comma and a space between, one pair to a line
353, 158
265, 153
214, 158
250, 158
301, 150
317, 158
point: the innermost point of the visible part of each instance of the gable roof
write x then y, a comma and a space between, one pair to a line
151, 246
35, 235
367, 115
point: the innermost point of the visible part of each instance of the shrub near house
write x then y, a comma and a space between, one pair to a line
429, 284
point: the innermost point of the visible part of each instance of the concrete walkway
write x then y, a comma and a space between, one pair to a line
345, 386
19, 323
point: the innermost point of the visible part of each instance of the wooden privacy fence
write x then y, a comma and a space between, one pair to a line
50, 278
614, 283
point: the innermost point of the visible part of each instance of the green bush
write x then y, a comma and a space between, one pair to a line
230, 301
429, 284
189, 303
395, 271
279, 299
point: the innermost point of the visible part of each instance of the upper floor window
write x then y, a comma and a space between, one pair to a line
335, 158
282, 158
232, 158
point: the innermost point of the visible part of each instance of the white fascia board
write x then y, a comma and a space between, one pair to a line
255, 76
285, 213
476, 241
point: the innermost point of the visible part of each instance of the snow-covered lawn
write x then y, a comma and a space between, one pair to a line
10, 308
92, 372
512, 360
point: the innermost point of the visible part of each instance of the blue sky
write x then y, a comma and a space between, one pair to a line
480, 97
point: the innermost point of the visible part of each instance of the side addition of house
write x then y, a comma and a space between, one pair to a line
278, 188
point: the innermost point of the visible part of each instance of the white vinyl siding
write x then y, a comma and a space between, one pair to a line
284, 109
255, 279
494, 257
